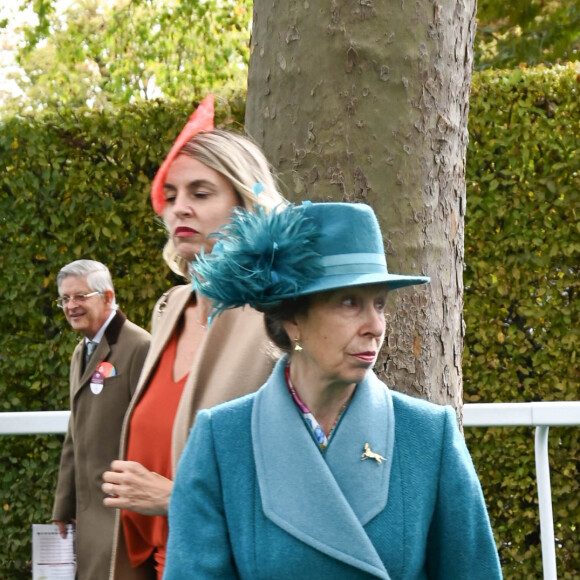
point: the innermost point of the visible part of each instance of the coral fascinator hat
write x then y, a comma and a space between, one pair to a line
200, 120
263, 258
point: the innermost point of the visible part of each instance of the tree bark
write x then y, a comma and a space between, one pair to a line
367, 101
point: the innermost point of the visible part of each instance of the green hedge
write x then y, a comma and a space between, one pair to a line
76, 185
522, 253
72, 185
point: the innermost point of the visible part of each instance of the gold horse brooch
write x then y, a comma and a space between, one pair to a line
368, 453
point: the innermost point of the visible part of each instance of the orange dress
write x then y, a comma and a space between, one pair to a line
150, 444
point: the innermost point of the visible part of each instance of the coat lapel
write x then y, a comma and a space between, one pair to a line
100, 354
161, 333
169, 313
204, 361
103, 350
370, 419
325, 500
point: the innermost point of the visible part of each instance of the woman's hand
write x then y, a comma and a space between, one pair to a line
131, 486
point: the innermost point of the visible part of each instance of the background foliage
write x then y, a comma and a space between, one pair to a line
102, 54
76, 185
522, 254
527, 32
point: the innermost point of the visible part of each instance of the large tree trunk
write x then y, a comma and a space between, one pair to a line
367, 101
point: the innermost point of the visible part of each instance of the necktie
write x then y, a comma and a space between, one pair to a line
89, 350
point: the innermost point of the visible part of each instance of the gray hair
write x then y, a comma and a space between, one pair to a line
243, 164
97, 276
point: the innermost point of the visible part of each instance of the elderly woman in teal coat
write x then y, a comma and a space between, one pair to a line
324, 472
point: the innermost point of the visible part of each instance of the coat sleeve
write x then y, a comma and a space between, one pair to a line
460, 543
198, 545
64, 507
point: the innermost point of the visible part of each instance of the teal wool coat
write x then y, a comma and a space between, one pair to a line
255, 497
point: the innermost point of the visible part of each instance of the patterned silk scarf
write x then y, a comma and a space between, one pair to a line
310, 420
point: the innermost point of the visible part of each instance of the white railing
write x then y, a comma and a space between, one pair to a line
34, 422
542, 416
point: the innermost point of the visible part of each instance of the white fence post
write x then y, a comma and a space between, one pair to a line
545, 503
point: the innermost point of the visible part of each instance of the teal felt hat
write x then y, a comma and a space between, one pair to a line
261, 259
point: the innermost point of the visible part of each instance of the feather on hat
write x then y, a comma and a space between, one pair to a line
259, 258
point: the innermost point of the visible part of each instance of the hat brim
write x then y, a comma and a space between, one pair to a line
393, 281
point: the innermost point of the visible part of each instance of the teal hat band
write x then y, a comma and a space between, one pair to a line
354, 264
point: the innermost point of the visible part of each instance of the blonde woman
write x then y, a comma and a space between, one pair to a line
191, 364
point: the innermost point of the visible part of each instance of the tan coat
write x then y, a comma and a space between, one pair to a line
234, 358
92, 441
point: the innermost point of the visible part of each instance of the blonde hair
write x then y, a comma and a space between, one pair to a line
240, 161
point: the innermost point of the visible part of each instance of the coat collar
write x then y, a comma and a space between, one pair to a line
180, 298
114, 328
171, 314
218, 340
324, 500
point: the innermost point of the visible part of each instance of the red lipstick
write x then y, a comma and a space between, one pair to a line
367, 356
184, 232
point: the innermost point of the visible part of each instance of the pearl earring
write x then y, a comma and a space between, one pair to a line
297, 346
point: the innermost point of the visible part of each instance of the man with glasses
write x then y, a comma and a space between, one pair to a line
104, 371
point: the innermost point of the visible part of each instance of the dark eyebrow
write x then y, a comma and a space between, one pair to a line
195, 184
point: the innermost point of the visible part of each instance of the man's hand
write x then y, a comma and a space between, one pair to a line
131, 486
62, 527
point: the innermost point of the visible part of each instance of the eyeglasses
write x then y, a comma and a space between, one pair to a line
63, 301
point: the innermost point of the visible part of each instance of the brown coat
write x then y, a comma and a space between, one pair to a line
92, 441
234, 358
